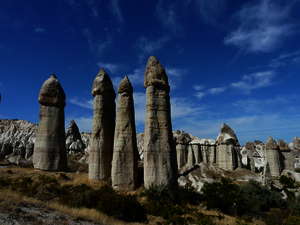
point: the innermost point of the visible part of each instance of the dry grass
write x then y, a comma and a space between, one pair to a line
9, 200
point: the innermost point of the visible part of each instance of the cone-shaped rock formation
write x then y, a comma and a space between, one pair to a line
49, 149
102, 140
160, 163
125, 156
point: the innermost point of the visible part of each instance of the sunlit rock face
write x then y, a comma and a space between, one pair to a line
17, 141
49, 148
273, 157
160, 164
102, 139
125, 155
227, 155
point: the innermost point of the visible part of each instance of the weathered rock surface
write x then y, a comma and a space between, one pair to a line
160, 164
273, 157
16, 141
74, 143
49, 149
227, 149
125, 155
102, 140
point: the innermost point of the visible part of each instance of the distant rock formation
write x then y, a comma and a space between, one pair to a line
273, 157
102, 140
226, 152
49, 149
16, 141
160, 165
74, 143
125, 155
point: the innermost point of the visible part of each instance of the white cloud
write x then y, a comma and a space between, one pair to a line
217, 90
111, 67
88, 104
200, 94
254, 81
262, 28
285, 59
247, 84
198, 87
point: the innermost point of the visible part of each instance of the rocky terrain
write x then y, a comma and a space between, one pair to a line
194, 154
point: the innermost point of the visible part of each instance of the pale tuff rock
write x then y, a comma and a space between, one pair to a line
227, 136
102, 140
160, 165
16, 139
125, 155
295, 145
227, 149
74, 143
49, 149
273, 157
182, 141
140, 144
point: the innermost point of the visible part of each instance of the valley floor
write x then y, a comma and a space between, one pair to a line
23, 206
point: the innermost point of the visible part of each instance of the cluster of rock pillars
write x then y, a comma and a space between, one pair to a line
113, 152
113, 146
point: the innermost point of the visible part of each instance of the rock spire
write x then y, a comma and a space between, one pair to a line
49, 149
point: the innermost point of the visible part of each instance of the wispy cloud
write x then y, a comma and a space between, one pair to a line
286, 59
96, 46
111, 67
88, 104
246, 84
39, 30
167, 15
263, 26
148, 46
116, 10
211, 10
254, 81
217, 90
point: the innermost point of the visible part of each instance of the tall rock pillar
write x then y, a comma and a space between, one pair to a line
160, 164
102, 140
49, 149
273, 157
226, 150
125, 155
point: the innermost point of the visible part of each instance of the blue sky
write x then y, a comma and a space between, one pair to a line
228, 61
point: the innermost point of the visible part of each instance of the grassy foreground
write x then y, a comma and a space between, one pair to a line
73, 194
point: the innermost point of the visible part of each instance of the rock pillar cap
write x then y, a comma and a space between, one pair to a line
102, 84
52, 93
155, 74
125, 86
271, 144
227, 136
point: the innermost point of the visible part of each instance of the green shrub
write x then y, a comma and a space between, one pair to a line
287, 182
248, 199
170, 203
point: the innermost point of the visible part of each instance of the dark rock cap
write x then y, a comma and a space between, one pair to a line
125, 86
227, 136
271, 144
52, 93
155, 74
102, 84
